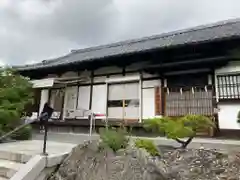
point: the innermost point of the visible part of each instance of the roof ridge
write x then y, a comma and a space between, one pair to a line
157, 36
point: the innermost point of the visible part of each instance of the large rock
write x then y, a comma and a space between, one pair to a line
86, 162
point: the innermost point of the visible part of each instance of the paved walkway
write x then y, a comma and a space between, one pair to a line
224, 145
34, 147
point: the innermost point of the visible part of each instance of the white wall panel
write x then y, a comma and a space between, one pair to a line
43, 83
71, 97
151, 83
99, 79
228, 115
131, 91
131, 113
116, 92
70, 101
99, 99
84, 97
115, 113
123, 79
148, 103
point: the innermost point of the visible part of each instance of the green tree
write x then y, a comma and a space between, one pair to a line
178, 128
15, 94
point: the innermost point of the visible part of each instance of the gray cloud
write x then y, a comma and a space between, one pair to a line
33, 30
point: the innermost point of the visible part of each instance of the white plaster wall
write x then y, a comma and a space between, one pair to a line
151, 83
70, 101
84, 98
228, 115
99, 99
120, 78
148, 103
148, 93
99, 79
43, 83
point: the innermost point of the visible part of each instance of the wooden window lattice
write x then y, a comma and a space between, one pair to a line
188, 101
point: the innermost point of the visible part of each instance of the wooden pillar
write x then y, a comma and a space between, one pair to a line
158, 101
162, 97
214, 96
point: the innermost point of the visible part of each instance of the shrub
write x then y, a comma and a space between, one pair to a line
23, 134
156, 124
148, 145
184, 127
114, 138
238, 117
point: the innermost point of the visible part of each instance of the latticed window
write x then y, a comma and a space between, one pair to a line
228, 86
195, 100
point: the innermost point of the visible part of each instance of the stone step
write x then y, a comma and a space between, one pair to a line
13, 156
3, 178
9, 168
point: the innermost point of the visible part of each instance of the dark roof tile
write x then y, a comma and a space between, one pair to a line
212, 32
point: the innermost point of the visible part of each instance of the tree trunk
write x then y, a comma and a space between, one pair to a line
187, 142
184, 144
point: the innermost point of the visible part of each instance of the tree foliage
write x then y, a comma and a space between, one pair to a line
178, 128
15, 94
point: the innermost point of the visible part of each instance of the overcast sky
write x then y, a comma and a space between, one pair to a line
34, 30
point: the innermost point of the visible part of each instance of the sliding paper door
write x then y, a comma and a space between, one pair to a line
123, 101
115, 101
131, 101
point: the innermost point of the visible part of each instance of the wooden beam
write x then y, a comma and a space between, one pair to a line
190, 62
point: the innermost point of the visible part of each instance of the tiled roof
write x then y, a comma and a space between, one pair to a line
204, 33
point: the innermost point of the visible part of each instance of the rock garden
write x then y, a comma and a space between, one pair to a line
116, 156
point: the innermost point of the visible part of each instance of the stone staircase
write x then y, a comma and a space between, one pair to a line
10, 163
19, 160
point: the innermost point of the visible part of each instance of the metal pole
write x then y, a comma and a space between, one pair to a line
91, 124
45, 115
45, 137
